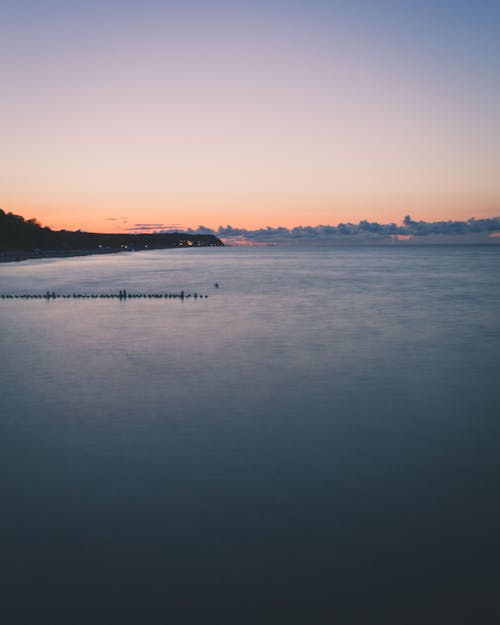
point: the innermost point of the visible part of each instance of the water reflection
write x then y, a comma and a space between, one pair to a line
321, 428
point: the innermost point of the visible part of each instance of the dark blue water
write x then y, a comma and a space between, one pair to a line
318, 441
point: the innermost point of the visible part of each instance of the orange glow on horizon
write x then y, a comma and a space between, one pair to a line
128, 214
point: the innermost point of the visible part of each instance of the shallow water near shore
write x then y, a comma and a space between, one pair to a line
317, 439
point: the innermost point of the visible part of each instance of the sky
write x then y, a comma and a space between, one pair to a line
275, 113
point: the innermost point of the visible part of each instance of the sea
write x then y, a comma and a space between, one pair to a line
316, 441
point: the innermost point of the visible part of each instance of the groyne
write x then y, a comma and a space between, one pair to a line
122, 295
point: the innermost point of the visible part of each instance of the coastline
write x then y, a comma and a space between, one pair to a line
12, 255
15, 256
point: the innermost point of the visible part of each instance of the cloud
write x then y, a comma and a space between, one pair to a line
472, 225
364, 231
201, 230
147, 227
171, 227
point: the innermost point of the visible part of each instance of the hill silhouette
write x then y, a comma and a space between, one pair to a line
28, 236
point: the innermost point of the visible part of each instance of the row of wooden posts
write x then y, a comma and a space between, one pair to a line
121, 295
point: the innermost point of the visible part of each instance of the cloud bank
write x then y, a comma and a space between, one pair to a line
364, 231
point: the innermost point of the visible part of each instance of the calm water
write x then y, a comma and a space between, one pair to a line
317, 440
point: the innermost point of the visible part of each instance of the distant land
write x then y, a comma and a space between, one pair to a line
21, 239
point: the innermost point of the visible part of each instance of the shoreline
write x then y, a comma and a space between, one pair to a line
16, 256
13, 256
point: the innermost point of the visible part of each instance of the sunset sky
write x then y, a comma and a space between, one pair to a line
115, 113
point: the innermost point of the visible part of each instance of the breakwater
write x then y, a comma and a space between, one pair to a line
122, 295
